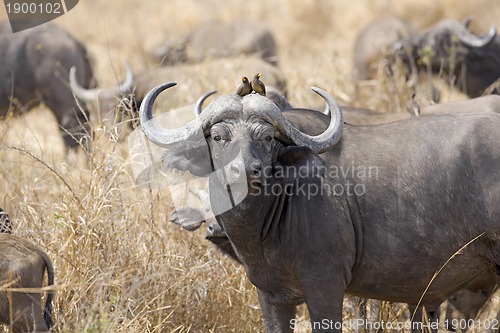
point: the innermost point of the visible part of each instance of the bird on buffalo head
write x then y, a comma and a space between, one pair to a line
258, 86
244, 88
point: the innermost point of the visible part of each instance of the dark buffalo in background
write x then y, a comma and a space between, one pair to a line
470, 60
109, 105
215, 40
473, 61
34, 69
375, 41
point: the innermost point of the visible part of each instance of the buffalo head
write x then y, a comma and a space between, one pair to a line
449, 45
105, 100
251, 112
246, 137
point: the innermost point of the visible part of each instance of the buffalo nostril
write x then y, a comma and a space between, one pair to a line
257, 168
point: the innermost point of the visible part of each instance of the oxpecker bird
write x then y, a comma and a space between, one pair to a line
258, 86
244, 88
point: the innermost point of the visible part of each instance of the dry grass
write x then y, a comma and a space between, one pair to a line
120, 265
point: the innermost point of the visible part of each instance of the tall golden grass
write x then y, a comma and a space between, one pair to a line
120, 265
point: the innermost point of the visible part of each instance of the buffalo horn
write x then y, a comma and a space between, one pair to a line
470, 39
88, 95
318, 143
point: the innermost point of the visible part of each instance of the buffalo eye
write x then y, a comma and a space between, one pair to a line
217, 138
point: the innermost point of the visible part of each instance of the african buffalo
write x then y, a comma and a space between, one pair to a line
467, 301
106, 101
471, 61
374, 211
22, 266
214, 40
375, 41
449, 46
34, 68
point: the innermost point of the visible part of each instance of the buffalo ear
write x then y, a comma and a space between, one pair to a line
304, 161
190, 156
188, 218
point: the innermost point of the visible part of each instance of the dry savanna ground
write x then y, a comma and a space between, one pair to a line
120, 265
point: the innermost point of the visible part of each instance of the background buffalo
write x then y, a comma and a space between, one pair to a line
34, 69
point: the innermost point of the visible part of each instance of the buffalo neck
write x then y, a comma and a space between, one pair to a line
249, 222
269, 221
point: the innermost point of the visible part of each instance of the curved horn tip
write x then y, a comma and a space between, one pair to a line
128, 83
128, 69
471, 40
159, 88
72, 77
210, 93
322, 92
169, 84
129, 73
319, 91
199, 103
146, 108
490, 36
493, 31
467, 21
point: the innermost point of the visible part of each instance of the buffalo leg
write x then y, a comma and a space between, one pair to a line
488, 313
27, 313
71, 117
418, 324
325, 306
277, 317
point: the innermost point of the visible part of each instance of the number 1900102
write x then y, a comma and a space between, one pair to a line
34, 8
464, 324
